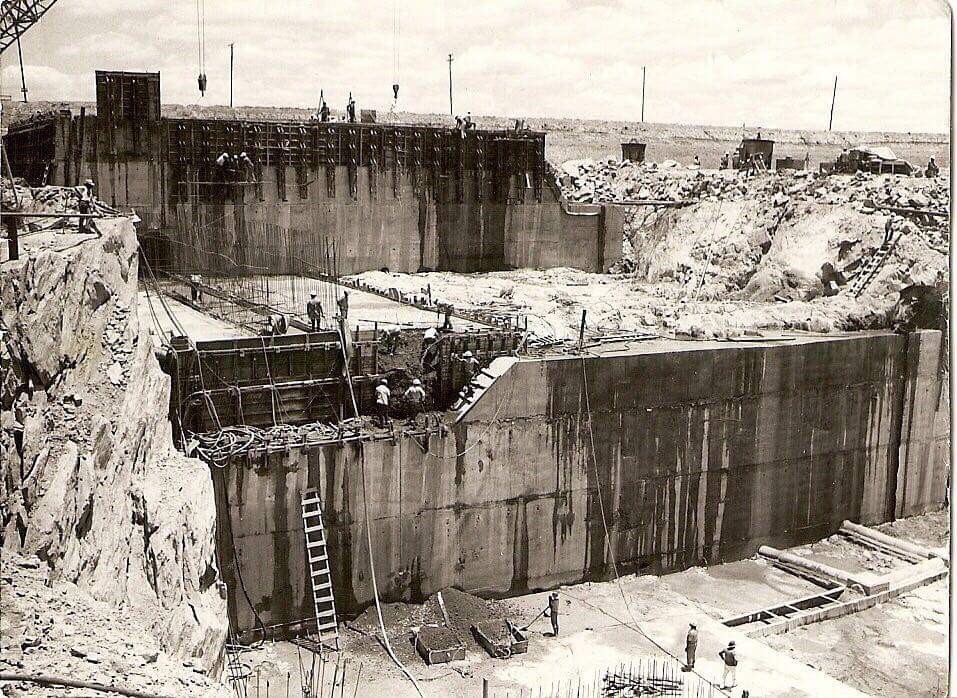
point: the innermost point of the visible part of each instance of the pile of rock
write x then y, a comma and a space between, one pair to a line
610, 180
593, 181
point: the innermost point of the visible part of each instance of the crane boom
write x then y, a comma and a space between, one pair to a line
17, 16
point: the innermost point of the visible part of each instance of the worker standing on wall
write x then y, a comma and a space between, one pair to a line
314, 311
382, 397
324, 112
85, 204
691, 646
552, 612
351, 109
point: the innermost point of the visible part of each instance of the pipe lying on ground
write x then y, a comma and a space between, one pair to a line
45, 680
824, 570
888, 541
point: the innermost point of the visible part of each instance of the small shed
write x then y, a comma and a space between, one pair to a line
633, 151
762, 147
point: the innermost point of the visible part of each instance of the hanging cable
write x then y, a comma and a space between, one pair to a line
201, 44
396, 35
611, 550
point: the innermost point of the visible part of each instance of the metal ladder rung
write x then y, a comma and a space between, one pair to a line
323, 598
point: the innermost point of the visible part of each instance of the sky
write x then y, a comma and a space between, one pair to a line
718, 62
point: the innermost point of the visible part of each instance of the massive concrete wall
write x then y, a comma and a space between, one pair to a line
694, 455
406, 198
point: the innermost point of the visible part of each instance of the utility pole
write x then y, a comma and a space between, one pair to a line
451, 112
642, 94
23, 78
833, 98
231, 75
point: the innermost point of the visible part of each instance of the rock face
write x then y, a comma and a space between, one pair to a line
89, 480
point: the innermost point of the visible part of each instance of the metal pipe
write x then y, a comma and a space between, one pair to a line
49, 680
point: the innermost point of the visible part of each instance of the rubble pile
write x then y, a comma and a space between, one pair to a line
49, 626
591, 181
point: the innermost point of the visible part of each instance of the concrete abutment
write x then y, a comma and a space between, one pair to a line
696, 453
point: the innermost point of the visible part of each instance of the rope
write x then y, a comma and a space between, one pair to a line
611, 551
375, 587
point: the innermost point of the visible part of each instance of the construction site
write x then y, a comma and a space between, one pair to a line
300, 404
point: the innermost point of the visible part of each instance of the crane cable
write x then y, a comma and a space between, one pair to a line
201, 44
396, 37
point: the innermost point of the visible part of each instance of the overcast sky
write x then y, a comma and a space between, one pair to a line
718, 62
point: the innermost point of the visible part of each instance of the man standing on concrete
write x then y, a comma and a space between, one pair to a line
691, 646
195, 292
552, 612
382, 396
729, 679
314, 311
343, 303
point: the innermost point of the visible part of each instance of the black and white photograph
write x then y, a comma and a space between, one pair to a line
505, 349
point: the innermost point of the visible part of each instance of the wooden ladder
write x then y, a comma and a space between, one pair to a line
872, 267
320, 576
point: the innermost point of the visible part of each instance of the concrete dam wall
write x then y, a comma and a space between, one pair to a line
694, 452
404, 197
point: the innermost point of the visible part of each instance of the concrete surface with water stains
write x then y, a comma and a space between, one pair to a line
700, 456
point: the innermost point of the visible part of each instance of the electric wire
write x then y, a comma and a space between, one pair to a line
610, 547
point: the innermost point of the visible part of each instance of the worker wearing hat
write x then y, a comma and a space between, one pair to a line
729, 679
382, 397
552, 612
415, 393
691, 646
314, 311
85, 204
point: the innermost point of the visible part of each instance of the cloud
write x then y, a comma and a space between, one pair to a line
708, 61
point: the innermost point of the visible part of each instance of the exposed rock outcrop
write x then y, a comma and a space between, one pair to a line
89, 480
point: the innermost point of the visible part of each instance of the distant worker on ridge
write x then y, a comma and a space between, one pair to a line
932, 169
314, 311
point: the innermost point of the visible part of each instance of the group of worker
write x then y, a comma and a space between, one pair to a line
323, 114
728, 655
234, 167
414, 396
464, 123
